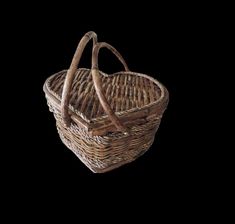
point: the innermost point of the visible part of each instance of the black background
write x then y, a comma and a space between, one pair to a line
164, 43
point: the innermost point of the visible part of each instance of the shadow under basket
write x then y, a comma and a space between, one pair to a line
106, 120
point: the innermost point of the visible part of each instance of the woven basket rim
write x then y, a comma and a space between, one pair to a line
163, 93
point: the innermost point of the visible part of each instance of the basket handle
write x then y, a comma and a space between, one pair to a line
98, 87
71, 72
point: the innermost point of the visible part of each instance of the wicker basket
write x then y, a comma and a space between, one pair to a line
106, 120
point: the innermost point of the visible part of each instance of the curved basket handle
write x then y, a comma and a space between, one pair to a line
98, 86
71, 72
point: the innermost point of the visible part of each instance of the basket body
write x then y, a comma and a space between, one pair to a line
102, 153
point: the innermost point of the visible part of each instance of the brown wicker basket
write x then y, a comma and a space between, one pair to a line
106, 120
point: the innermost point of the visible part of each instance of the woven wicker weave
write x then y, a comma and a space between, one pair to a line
106, 120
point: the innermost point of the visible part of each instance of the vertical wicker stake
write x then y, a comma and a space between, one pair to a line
106, 120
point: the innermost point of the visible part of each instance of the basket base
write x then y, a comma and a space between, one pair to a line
113, 166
